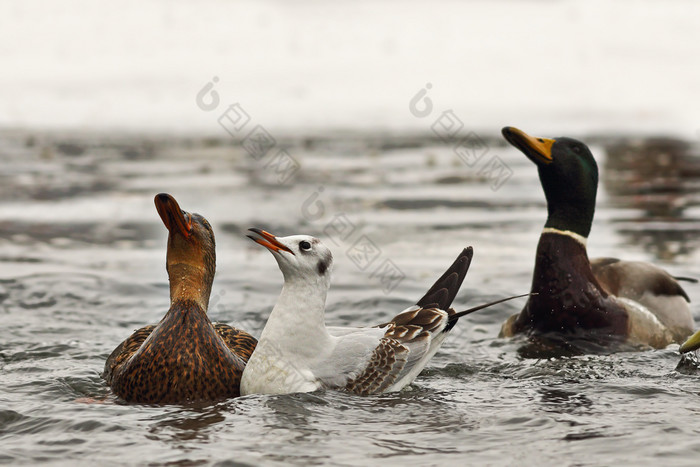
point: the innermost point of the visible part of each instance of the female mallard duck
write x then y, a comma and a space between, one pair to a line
604, 301
184, 357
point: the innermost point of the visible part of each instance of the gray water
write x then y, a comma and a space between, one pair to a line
82, 253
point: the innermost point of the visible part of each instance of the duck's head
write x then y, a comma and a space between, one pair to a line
191, 257
568, 174
300, 257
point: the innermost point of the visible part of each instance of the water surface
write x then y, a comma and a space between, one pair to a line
82, 255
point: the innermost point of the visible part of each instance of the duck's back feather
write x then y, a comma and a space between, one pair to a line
184, 357
125, 350
239, 342
650, 286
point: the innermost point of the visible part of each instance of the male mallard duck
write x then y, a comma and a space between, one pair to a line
603, 301
184, 357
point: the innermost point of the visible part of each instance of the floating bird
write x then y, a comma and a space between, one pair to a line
298, 353
605, 301
184, 357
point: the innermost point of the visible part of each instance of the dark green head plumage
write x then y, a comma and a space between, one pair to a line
568, 174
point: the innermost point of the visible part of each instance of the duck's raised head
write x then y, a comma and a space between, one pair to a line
568, 174
191, 258
300, 257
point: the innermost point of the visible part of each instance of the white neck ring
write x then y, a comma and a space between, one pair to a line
579, 238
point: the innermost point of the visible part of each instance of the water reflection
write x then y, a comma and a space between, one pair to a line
190, 424
660, 178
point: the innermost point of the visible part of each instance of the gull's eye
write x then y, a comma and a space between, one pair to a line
304, 245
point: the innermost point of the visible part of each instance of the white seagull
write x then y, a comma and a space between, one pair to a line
298, 353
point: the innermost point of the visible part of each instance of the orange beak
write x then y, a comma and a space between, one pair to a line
174, 218
539, 150
268, 240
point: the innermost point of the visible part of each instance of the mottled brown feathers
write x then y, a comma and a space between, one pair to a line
387, 361
125, 350
426, 319
405, 332
240, 342
409, 334
184, 358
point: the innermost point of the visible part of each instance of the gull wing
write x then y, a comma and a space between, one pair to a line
391, 361
375, 360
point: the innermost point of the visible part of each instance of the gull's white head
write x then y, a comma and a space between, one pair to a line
300, 257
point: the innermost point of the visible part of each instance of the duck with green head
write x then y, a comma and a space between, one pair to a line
185, 357
603, 302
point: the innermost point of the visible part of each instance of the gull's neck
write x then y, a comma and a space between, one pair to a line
297, 321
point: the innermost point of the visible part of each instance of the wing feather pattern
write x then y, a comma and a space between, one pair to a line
414, 335
405, 344
240, 342
125, 350
632, 278
651, 287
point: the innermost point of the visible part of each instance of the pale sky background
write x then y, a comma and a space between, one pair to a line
550, 67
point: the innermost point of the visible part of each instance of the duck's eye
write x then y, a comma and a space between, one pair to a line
577, 149
304, 245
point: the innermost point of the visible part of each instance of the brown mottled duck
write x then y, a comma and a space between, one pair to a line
185, 357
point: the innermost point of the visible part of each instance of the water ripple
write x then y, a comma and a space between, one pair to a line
84, 252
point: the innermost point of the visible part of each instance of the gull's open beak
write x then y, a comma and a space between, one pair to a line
174, 218
268, 240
